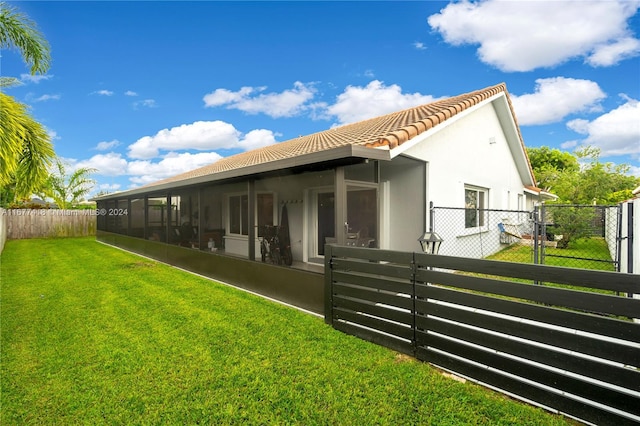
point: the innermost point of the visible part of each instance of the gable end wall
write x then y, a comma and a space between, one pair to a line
473, 151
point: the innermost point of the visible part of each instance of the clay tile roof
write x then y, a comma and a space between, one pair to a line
391, 130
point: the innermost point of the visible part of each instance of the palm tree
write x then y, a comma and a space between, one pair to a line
20, 32
68, 190
25, 147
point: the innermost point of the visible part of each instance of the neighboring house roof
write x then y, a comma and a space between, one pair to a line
373, 138
541, 193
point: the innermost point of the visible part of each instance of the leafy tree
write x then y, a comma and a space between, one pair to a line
549, 164
25, 146
572, 222
596, 182
67, 190
581, 178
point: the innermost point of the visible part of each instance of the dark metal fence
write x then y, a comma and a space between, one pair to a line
573, 350
574, 236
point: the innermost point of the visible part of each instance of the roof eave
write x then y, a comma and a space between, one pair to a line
507, 117
544, 195
286, 163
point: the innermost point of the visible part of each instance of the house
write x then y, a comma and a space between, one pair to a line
367, 183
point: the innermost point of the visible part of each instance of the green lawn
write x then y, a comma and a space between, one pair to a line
589, 253
94, 335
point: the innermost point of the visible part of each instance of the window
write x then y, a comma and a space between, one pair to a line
239, 215
475, 200
239, 212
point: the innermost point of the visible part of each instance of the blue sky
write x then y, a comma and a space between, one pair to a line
145, 90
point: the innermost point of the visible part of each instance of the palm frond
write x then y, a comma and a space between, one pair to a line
65, 189
25, 147
20, 32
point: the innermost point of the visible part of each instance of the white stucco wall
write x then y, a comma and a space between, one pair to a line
402, 204
472, 150
624, 247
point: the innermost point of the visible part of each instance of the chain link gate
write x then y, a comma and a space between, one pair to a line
578, 236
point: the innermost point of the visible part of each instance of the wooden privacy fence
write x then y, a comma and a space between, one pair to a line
40, 223
576, 351
3, 228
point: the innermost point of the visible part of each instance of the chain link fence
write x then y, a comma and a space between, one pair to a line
585, 237
483, 233
580, 236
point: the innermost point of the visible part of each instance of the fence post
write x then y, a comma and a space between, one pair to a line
414, 340
543, 232
432, 216
619, 238
536, 232
328, 285
630, 237
536, 225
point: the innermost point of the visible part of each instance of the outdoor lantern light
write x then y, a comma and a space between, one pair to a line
430, 242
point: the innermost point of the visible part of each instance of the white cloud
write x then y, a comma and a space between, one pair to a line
525, 35
288, 103
419, 45
105, 146
110, 164
611, 54
141, 172
201, 135
109, 187
35, 78
616, 132
43, 98
102, 92
257, 139
130, 93
221, 97
569, 145
555, 98
357, 103
147, 103
354, 104
53, 135
145, 171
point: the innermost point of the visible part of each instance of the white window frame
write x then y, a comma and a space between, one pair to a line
255, 215
228, 210
482, 203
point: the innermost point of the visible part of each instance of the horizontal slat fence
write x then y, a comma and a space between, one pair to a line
570, 345
41, 223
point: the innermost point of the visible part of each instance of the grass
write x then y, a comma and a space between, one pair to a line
583, 254
94, 335
586, 253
